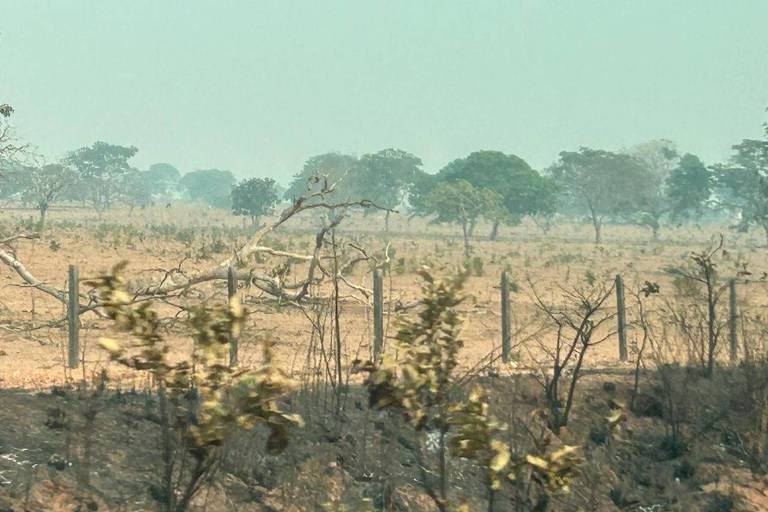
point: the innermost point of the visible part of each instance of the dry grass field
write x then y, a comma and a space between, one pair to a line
338, 464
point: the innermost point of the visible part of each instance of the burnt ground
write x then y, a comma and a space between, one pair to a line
70, 449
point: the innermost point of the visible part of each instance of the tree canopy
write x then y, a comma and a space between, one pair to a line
211, 186
254, 197
523, 191
43, 185
689, 187
385, 177
659, 157
335, 166
101, 170
743, 183
460, 202
162, 179
602, 184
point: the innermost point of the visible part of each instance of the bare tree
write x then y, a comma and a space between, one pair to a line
700, 323
577, 327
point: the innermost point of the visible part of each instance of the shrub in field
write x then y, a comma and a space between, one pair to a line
697, 315
477, 265
202, 399
576, 326
418, 379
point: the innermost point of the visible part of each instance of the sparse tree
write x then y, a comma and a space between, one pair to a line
137, 189
659, 157
385, 177
459, 202
602, 183
44, 185
254, 197
101, 171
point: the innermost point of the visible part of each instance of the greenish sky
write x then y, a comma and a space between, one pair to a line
256, 87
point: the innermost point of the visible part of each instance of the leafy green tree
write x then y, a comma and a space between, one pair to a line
659, 157
101, 171
334, 166
12, 181
522, 189
385, 178
422, 185
602, 184
743, 185
211, 186
689, 187
137, 189
461, 203
143, 188
162, 179
254, 197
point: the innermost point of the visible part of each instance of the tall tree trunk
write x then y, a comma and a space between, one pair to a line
465, 232
43, 211
386, 222
472, 225
765, 228
495, 230
598, 225
656, 226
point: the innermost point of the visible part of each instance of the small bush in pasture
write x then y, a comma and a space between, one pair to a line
417, 379
202, 399
477, 265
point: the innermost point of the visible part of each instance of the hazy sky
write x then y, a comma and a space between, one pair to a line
257, 87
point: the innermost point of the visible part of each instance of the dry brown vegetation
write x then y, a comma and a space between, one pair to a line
670, 429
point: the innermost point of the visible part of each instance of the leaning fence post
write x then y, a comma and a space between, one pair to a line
378, 313
733, 320
73, 317
231, 292
622, 318
506, 324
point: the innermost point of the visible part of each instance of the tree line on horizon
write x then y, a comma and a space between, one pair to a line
652, 184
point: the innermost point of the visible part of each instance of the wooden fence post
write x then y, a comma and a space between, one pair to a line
378, 314
506, 321
733, 320
73, 317
622, 318
231, 292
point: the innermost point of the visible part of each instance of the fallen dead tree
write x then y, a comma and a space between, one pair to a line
176, 282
